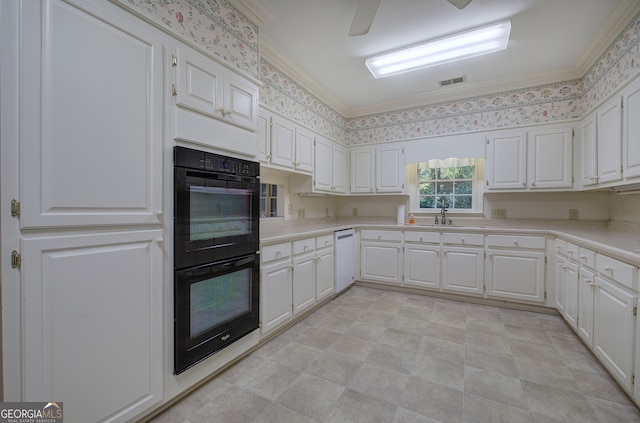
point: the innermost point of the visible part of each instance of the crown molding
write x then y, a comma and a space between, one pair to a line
626, 11
257, 11
467, 90
273, 55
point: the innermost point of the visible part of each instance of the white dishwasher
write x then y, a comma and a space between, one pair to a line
344, 266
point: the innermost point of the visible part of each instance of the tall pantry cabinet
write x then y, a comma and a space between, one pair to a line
82, 139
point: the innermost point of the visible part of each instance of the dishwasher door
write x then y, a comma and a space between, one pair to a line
344, 253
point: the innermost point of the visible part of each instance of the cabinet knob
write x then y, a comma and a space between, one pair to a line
515, 242
159, 241
462, 240
379, 236
278, 253
583, 258
420, 239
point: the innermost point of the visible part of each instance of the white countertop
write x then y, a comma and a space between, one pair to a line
618, 240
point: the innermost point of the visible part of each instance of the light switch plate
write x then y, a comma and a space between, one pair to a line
573, 214
498, 213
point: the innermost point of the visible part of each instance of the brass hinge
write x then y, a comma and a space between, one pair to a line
15, 208
487, 182
174, 60
573, 180
635, 311
174, 90
16, 259
487, 141
270, 122
633, 379
622, 103
545, 295
573, 133
545, 259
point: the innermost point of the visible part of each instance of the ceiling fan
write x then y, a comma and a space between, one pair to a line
366, 11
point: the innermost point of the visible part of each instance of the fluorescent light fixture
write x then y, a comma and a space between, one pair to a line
462, 45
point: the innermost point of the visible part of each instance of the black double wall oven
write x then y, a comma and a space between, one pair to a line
216, 243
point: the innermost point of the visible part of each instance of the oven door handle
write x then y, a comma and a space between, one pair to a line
224, 266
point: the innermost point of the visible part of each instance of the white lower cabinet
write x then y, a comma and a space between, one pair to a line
304, 286
381, 256
275, 286
515, 267
422, 265
92, 311
586, 297
463, 263
324, 272
567, 290
614, 330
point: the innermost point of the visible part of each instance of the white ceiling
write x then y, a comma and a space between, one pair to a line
551, 41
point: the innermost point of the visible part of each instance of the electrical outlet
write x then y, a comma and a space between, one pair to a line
301, 213
498, 213
290, 209
355, 211
573, 214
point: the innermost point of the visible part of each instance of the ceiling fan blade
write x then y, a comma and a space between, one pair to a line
460, 4
364, 17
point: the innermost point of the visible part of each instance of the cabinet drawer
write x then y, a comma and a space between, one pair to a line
463, 239
516, 241
426, 237
573, 251
304, 245
586, 257
276, 252
618, 271
324, 241
380, 235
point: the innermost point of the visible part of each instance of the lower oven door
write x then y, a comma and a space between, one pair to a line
215, 304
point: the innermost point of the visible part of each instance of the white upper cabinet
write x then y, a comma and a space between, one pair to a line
283, 138
537, 159
609, 127
377, 169
550, 157
589, 151
631, 130
506, 165
263, 139
91, 113
207, 87
304, 150
339, 162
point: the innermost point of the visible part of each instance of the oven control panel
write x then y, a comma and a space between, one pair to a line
185, 157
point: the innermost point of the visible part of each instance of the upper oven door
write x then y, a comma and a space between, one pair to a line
216, 216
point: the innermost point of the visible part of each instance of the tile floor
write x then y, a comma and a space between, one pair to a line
379, 356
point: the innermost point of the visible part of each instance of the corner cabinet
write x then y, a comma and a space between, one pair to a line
377, 170
536, 159
329, 170
283, 144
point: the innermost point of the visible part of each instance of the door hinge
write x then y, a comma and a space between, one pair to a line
487, 139
16, 259
174, 60
15, 208
545, 295
174, 90
270, 122
487, 182
573, 180
545, 259
635, 311
633, 379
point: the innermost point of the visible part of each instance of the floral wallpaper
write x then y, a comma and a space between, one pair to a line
213, 25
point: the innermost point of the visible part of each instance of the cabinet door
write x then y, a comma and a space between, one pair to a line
610, 141
263, 135
304, 150
324, 273
422, 265
550, 158
91, 124
570, 281
389, 169
275, 295
516, 275
93, 308
561, 266
304, 282
381, 262
200, 85
240, 101
339, 169
586, 287
506, 165
463, 270
613, 339
323, 170
631, 131
589, 151
362, 171
282, 142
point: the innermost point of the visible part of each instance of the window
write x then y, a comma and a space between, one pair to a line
269, 200
450, 180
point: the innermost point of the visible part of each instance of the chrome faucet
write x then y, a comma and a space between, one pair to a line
443, 211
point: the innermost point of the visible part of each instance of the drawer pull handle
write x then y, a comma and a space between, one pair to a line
589, 281
608, 269
583, 258
462, 240
515, 241
278, 253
